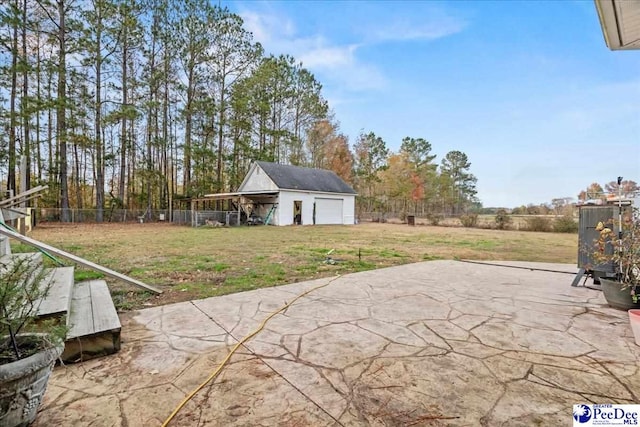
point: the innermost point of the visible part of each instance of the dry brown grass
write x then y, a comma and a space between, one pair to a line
192, 263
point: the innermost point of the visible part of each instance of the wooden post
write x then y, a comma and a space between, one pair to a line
23, 188
193, 213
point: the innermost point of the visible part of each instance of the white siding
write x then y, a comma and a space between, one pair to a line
329, 210
285, 207
349, 209
257, 180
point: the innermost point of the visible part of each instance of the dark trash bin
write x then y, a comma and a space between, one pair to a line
411, 220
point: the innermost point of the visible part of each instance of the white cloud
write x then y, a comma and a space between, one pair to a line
428, 21
266, 27
403, 29
340, 64
324, 56
333, 63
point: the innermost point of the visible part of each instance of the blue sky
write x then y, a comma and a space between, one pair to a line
527, 89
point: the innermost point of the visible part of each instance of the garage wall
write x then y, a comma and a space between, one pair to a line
285, 207
349, 209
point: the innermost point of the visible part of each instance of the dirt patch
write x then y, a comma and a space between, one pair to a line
135, 300
27, 346
175, 278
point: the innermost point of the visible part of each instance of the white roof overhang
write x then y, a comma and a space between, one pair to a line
620, 21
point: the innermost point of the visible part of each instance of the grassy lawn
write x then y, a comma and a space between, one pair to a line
189, 263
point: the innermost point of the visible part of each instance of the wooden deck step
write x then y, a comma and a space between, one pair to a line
94, 326
58, 301
60, 280
86, 308
10, 261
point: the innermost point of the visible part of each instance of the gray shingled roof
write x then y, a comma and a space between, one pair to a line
289, 177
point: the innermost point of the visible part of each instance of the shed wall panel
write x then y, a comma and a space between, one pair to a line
349, 209
285, 207
258, 181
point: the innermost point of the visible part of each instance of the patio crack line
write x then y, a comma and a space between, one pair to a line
625, 386
515, 266
262, 359
532, 377
549, 302
388, 339
446, 341
317, 368
71, 401
487, 415
353, 384
84, 394
511, 356
123, 415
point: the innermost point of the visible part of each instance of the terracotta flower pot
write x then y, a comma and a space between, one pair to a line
634, 320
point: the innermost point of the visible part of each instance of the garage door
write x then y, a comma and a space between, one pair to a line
328, 211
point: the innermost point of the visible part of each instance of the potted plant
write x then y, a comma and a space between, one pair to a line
28, 349
622, 289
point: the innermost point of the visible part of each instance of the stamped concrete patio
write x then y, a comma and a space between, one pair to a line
434, 343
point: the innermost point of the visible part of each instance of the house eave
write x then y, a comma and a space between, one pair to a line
298, 190
619, 20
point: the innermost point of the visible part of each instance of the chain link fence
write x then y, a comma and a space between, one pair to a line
110, 215
179, 217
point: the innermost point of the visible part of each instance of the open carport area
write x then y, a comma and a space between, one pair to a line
432, 343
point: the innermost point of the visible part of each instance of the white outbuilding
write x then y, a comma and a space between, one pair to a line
286, 195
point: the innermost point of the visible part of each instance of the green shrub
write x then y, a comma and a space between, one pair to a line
502, 219
434, 219
565, 224
538, 223
469, 220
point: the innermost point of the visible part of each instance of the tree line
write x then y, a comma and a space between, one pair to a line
139, 103
593, 192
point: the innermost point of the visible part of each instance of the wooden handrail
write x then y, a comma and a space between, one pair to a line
77, 259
